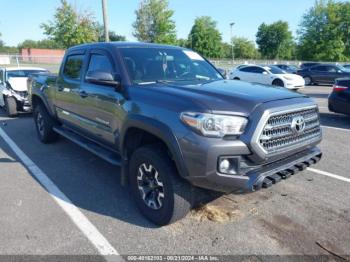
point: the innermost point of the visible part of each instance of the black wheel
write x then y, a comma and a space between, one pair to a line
11, 106
236, 78
278, 82
44, 125
160, 194
308, 80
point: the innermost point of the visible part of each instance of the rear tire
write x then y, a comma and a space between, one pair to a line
44, 125
160, 194
11, 106
278, 82
236, 78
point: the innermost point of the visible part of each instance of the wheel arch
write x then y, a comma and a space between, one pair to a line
141, 130
37, 99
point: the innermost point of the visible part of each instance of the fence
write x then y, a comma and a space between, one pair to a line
52, 63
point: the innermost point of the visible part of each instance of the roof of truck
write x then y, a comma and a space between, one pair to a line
123, 45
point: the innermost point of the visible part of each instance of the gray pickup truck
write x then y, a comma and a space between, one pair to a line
170, 120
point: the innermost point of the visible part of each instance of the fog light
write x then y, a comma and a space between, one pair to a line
224, 166
228, 165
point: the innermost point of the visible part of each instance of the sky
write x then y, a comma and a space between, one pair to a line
21, 19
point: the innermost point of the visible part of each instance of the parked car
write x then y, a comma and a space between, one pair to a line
170, 120
13, 88
323, 74
291, 69
307, 65
268, 75
339, 99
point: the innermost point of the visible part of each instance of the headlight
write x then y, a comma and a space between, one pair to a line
215, 125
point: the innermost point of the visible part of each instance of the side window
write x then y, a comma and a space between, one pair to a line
258, 70
320, 69
73, 66
332, 69
1, 76
100, 63
247, 69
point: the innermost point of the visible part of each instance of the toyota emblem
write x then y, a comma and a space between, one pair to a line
298, 124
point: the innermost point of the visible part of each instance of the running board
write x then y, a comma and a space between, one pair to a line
107, 155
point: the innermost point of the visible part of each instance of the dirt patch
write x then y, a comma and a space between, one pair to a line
216, 213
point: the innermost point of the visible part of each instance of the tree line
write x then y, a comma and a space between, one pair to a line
322, 35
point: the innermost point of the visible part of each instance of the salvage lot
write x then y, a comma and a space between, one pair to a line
307, 214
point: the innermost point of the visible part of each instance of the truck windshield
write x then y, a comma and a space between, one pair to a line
147, 65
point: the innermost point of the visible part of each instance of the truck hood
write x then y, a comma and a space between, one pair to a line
228, 95
18, 83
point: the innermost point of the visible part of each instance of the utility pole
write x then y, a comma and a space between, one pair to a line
231, 40
105, 20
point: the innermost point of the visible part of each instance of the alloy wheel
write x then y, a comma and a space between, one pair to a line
150, 186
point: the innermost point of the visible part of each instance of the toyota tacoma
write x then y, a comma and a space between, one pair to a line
167, 117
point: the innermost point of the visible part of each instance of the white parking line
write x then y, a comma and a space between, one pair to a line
337, 128
78, 218
324, 173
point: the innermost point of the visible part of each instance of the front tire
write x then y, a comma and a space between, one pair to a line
308, 80
278, 82
44, 125
160, 194
11, 106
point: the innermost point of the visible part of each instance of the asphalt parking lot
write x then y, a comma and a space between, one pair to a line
308, 214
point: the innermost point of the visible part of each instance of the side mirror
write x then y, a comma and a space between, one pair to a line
104, 78
265, 73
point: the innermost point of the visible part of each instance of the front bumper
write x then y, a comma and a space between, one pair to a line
253, 178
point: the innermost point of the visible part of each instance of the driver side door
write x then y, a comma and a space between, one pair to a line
103, 111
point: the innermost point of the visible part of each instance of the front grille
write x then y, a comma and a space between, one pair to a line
280, 133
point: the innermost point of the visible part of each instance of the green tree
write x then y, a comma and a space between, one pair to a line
275, 40
153, 22
6, 49
182, 42
324, 32
244, 48
113, 36
205, 38
226, 50
45, 44
70, 28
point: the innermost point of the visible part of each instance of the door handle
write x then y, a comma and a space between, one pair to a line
83, 94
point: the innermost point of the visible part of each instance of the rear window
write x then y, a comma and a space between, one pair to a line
73, 66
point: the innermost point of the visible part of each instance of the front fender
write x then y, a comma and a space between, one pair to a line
159, 130
37, 92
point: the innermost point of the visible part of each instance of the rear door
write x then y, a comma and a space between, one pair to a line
67, 97
102, 112
247, 73
319, 74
